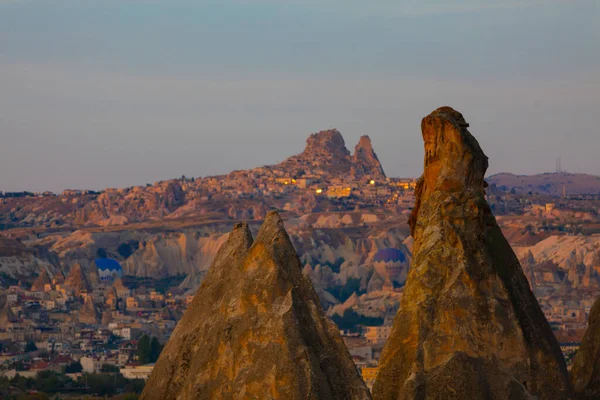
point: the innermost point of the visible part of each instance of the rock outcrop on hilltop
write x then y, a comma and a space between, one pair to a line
174, 196
469, 326
585, 375
329, 144
255, 329
326, 153
365, 159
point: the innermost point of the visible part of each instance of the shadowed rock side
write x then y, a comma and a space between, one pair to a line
366, 160
585, 373
255, 330
469, 326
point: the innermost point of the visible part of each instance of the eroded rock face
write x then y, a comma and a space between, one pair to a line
469, 326
88, 314
77, 280
328, 143
41, 281
366, 159
255, 329
585, 375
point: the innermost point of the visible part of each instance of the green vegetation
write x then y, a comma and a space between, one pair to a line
336, 265
7, 280
127, 249
73, 368
48, 383
107, 368
148, 350
352, 321
109, 385
30, 346
160, 285
343, 292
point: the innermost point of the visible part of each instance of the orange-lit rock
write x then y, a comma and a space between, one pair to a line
584, 373
469, 326
255, 330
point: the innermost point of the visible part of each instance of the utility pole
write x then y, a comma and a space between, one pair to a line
559, 169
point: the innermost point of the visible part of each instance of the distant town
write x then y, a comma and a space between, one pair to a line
94, 283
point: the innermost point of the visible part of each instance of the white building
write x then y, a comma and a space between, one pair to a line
137, 372
90, 365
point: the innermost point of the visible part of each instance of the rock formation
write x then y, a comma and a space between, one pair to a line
326, 152
255, 329
77, 281
172, 254
88, 314
585, 375
119, 288
58, 278
328, 143
107, 318
469, 326
174, 196
41, 281
366, 160
20, 262
6, 314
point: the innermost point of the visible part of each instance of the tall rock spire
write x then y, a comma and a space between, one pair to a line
77, 280
41, 281
469, 326
366, 159
256, 329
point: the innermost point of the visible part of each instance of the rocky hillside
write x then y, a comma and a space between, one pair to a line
325, 156
552, 184
326, 153
469, 326
18, 261
256, 329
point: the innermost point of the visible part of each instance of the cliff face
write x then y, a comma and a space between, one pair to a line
469, 326
585, 375
171, 254
329, 144
255, 329
20, 262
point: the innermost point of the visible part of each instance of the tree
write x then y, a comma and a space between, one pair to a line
73, 368
103, 385
148, 349
155, 349
351, 320
144, 350
107, 368
30, 347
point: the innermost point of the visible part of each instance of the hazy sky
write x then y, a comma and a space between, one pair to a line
113, 93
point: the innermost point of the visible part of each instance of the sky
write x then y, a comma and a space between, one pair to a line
115, 93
